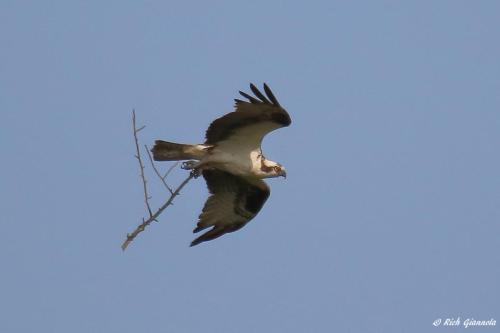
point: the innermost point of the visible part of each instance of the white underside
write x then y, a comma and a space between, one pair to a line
238, 163
241, 153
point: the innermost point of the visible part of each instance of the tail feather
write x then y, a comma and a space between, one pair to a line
169, 151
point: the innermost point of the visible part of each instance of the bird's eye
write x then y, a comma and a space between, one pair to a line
276, 168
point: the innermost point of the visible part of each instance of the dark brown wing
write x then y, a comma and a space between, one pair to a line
260, 115
233, 202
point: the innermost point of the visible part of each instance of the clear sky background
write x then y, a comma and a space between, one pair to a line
389, 217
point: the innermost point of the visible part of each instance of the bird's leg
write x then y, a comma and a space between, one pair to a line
189, 165
193, 166
195, 173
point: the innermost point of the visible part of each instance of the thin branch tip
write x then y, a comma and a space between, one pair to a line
173, 193
154, 217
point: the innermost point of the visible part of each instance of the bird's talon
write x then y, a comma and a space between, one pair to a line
188, 165
195, 173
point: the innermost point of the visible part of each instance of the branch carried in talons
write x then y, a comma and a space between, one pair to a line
173, 193
140, 228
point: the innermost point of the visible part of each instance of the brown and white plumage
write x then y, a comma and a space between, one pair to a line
233, 202
258, 116
232, 163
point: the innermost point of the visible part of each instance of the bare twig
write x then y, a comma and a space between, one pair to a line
141, 165
162, 178
152, 216
140, 228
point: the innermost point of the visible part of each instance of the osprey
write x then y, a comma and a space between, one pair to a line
232, 163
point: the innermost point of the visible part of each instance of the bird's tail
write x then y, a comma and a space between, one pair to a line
169, 151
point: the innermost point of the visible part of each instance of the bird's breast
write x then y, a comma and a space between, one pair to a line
237, 163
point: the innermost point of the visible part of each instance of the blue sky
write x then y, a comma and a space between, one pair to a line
389, 217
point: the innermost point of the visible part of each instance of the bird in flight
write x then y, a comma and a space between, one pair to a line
232, 162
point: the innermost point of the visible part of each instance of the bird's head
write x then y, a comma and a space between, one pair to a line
272, 169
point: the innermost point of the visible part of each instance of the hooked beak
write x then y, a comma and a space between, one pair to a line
283, 174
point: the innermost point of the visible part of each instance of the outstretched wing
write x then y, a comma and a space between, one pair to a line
233, 202
250, 122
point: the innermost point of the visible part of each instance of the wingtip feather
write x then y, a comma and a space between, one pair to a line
250, 98
259, 94
270, 94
